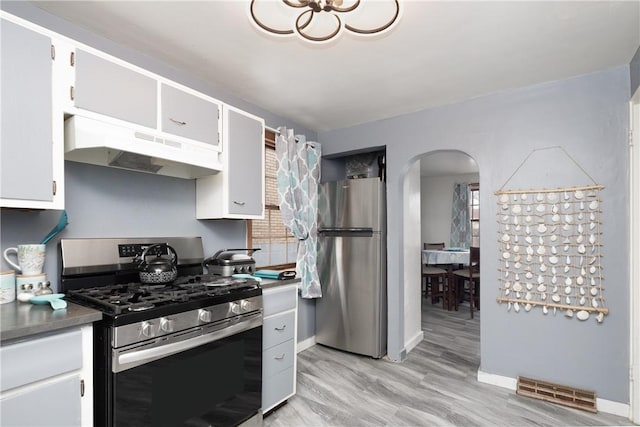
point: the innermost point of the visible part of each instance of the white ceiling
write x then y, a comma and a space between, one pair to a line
439, 53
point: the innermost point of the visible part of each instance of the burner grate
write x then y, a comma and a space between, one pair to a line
121, 298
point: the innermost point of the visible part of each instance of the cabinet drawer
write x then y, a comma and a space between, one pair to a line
53, 404
277, 388
278, 329
277, 358
276, 300
36, 359
190, 116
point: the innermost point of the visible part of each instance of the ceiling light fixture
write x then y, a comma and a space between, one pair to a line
321, 21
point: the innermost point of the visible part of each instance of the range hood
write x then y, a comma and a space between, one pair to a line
88, 140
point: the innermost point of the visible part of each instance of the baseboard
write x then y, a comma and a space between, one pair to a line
498, 380
604, 405
417, 339
612, 407
306, 343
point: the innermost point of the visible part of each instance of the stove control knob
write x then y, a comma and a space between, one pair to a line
204, 315
246, 305
167, 324
146, 329
235, 308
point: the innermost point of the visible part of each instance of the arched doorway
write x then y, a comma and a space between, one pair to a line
428, 198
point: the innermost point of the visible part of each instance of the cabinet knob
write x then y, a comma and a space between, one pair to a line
238, 203
282, 328
279, 357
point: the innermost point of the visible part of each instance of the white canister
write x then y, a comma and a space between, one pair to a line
27, 285
7, 286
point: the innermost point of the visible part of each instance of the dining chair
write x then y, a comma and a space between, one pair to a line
430, 273
470, 275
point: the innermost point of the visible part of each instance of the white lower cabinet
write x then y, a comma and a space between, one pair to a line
44, 405
48, 380
279, 345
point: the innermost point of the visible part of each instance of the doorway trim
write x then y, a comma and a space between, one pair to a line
634, 255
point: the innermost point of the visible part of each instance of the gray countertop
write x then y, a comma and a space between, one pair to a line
273, 283
21, 320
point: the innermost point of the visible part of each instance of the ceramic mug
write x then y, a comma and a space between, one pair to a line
30, 258
7, 286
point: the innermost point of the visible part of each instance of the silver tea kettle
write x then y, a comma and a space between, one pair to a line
159, 269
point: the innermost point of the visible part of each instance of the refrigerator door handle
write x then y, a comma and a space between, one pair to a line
351, 231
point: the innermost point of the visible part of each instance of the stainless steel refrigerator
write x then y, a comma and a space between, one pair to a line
352, 259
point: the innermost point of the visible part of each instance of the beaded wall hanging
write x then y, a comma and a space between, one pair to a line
550, 250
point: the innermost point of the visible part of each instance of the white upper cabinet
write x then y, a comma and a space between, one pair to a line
104, 87
116, 114
189, 115
237, 191
31, 158
129, 117
244, 162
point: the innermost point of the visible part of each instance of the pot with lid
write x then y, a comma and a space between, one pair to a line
227, 262
158, 269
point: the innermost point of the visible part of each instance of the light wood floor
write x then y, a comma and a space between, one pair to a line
435, 386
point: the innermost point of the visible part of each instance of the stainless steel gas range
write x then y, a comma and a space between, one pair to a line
183, 353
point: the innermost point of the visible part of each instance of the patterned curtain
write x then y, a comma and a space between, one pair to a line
298, 178
460, 222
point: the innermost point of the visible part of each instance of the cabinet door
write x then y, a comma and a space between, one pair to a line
26, 159
108, 88
278, 388
188, 115
244, 136
55, 403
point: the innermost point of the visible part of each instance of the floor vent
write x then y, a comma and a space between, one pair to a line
556, 393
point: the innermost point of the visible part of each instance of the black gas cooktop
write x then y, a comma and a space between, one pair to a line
142, 300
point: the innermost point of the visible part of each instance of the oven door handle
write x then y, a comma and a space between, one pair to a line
131, 359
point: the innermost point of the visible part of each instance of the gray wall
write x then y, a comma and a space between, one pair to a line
588, 117
436, 194
106, 202
635, 72
306, 318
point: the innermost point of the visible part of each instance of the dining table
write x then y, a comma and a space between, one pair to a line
448, 257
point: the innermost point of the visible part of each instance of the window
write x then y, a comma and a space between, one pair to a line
474, 213
278, 248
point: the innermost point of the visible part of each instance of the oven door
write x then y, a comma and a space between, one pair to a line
202, 377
